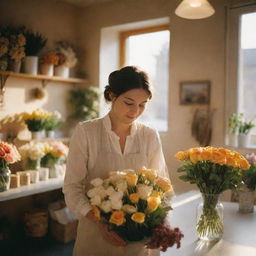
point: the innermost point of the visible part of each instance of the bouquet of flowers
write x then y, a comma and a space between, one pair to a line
49, 58
4, 43
53, 121
35, 121
8, 155
32, 153
213, 170
135, 205
66, 53
55, 152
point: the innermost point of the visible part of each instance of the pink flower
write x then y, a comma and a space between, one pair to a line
9, 153
58, 148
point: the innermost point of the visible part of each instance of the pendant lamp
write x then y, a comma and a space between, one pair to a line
194, 9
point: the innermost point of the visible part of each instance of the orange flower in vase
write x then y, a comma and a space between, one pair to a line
47, 62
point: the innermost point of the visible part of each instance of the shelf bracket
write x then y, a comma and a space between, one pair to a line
3, 79
45, 82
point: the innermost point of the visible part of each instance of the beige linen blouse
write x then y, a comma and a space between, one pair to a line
89, 146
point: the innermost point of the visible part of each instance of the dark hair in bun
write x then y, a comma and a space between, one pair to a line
125, 79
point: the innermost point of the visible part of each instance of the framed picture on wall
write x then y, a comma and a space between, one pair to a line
195, 92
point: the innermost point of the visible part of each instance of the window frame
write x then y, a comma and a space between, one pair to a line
125, 34
232, 58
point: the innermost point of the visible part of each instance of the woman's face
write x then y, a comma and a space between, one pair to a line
129, 105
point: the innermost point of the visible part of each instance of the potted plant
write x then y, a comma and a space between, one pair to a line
47, 63
67, 59
233, 125
12, 49
244, 127
35, 122
52, 123
246, 191
35, 42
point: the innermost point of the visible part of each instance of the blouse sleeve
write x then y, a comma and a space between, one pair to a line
76, 172
156, 156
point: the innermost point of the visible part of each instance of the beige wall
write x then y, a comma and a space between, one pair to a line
197, 53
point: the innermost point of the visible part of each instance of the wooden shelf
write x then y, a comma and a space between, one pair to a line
40, 187
44, 78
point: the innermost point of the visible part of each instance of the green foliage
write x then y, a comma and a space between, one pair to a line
236, 123
35, 125
52, 123
84, 103
211, 178
233, 123
49, 160
35, 42
249, 177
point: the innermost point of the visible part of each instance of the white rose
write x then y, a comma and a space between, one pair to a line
116, 196
116, 204
110, 190
121, 185
92, 192
96, 200
144, 191
169, 194
106, 206
129, 208
101, 191
96, 182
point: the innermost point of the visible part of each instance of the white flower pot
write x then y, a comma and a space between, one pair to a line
37, 135
46, 69
61, 71
43, 173
31, 65
243, 140
50, 134
34, 176
246, 201
232, 140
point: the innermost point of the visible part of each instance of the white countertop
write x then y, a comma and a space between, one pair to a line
239, 230
41, 186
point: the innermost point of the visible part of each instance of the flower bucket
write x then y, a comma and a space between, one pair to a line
37, 135
232, 140
134, 248
61, 71
34, 176
43, 173
246, 201
243, 140
46, 69
209, 225
31, 65
50, 134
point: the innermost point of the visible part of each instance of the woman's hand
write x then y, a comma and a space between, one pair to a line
110, 236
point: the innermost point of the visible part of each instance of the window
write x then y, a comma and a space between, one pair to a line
241, 63
148, 48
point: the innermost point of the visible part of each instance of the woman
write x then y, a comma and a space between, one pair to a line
106, 144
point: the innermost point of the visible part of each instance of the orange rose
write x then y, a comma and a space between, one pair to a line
163, 183
134, 197
244, 164
181, 155
138, 217
153, 203
117, 218
96, 211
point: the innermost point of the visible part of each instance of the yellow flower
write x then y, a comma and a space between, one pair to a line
131, 178
96, 211
156, 193
163, 183
243, 163
148, 174
153, 203
138, 217
117, 218
134, 197
181, 155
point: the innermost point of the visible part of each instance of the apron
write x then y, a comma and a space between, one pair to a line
89, 241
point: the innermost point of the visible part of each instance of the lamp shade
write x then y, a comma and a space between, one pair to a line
194, 9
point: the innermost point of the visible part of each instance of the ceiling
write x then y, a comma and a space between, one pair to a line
83, 3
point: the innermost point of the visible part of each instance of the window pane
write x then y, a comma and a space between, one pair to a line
150, 51
247, 66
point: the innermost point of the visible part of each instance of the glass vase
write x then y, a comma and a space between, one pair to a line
209, 224
246, 201
5, 179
